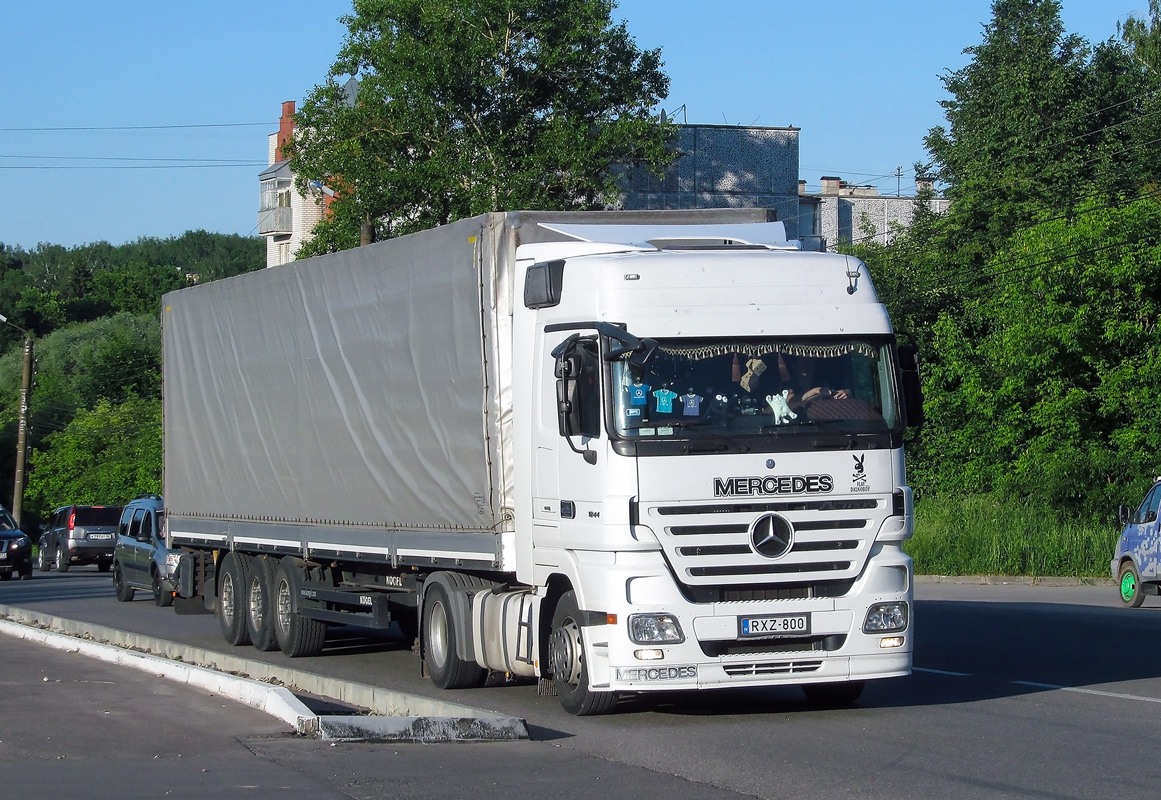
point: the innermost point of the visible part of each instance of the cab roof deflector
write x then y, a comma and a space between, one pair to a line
757, 234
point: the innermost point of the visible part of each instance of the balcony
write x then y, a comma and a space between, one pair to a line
274, 221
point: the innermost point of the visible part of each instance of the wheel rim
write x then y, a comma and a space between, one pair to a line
255, 609
437, 643
566, 653
1128, 586
283, 606
228, 598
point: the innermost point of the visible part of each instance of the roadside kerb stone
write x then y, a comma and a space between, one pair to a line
401, 716
1013, 580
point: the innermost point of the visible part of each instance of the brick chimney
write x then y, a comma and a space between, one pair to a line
285, 128
830, 184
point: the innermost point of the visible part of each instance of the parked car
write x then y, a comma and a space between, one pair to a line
141, 559
15, 549
1136, 564
79, 535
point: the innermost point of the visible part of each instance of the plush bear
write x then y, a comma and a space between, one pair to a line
782, 412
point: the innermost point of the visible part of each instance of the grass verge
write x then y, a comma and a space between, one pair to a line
990, 535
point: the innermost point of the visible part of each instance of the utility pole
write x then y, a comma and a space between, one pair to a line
22, 430
22, 434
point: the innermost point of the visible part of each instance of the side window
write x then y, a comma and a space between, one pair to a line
147, 529
126, 518
1150, 504
135, 525
589, 388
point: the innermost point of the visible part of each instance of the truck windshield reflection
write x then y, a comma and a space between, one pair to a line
707, 387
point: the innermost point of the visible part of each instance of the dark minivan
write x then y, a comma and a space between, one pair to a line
80, 535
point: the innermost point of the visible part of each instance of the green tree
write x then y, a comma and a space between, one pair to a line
106, 455
467, 106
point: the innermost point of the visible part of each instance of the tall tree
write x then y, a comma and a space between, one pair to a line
467, 106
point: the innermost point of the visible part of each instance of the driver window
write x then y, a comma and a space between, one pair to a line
1150, 504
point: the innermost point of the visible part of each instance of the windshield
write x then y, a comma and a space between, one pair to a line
697, 388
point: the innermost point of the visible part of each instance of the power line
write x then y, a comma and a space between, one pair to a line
135, 127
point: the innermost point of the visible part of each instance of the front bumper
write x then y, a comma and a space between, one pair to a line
19, 560
715, 655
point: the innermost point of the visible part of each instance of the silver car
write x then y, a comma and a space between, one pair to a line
141, 559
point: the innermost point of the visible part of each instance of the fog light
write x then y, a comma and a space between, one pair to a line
653, 628
891, 641
649, 655
886, 617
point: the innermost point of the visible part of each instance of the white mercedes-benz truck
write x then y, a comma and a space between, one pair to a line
618, 452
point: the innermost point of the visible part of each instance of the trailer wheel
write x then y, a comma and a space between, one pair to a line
124, 590
295, 634
259, 616
232, 598
447, 669
570, 672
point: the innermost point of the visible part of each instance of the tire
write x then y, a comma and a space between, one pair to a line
6, 575
161, 597
259, 590
297, 635
1129, 583
62, 560
833, 695
103, 566
440, 624
570, 672
26, 573
123, 590
42, 560
231, 599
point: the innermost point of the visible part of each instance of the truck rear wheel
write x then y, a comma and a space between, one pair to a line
295, 634
259, 616
570, 672
232, 598
440, 623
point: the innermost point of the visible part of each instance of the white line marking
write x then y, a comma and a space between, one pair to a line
1118, 695
942, 672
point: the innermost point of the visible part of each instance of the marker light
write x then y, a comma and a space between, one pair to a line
649, 655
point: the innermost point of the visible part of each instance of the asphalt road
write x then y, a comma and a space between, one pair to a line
1019, 691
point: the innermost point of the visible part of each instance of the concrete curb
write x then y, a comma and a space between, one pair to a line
404, 717
1013, 580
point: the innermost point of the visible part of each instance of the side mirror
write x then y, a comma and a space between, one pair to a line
1123, 515
569, 411
912, 387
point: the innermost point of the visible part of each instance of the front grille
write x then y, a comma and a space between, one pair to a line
763, 592
771, 668
711, 544
827, 643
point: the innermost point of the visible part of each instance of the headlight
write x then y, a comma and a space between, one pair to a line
172, 559
886, 617
18, 542
654, 628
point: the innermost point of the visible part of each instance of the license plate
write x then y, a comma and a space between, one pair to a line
780, 625
100, 536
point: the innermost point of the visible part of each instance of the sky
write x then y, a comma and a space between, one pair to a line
134, 118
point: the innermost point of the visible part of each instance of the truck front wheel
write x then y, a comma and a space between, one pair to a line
570, 672
232, 598
447, 669
296, 635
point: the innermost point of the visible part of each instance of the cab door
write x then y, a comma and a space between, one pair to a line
1144, 533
